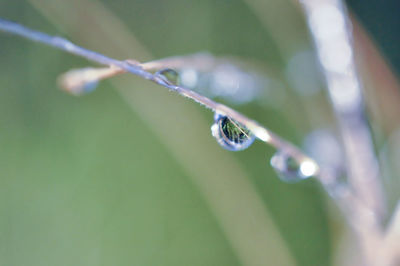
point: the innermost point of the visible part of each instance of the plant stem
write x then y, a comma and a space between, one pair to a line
135, 68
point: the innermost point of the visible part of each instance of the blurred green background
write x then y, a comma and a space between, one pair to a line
130, 174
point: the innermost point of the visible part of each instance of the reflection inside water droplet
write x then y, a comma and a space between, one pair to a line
291, 170
230, 134
169, 75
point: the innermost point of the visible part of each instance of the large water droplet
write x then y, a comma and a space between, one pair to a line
169, 75
230, 134
290, 170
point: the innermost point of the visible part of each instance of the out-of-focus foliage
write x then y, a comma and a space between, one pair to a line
86, 181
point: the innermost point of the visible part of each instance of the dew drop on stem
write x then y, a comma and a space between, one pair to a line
168, 75
230, 134
90, 86
291, 170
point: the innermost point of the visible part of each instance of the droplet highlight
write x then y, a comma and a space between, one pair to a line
230, 134
168, 75
290, 170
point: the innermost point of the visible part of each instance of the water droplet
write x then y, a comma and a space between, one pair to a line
83, 88
169, 75
290, 170
78, 81
90, 86
230, 134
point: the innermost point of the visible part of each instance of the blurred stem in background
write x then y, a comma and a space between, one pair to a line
365, 208
363, 204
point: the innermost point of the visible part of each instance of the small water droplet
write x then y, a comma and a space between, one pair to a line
78, 81
80, 89
290, 170
169, 75
90, 86
230, 134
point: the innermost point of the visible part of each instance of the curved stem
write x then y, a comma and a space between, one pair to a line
142, 70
